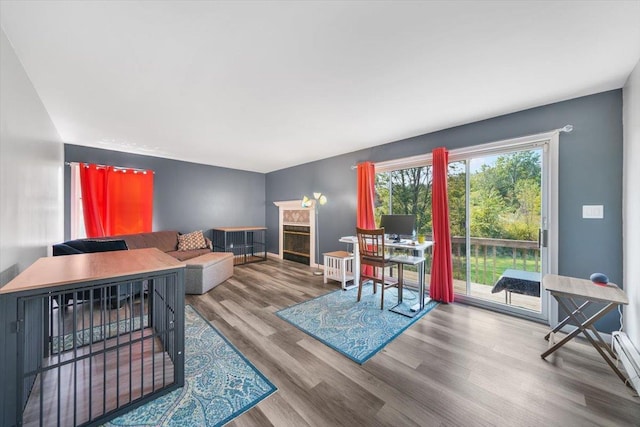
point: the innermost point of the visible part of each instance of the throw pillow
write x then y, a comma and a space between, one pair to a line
191, 241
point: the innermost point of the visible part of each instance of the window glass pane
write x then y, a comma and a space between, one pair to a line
411, 195
505, 205
456, 190
407, 192
382, 196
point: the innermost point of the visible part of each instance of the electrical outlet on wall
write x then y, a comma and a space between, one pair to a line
593, 211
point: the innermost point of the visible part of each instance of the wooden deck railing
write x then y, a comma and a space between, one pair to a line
490, 257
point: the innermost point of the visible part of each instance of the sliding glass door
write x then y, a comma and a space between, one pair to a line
498, 220
497, 225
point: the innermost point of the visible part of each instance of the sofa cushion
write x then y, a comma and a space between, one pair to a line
185, 255
191, 241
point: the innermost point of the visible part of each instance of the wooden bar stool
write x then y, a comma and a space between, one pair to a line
338, 266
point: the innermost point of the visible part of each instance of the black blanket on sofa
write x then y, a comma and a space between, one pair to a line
84, 246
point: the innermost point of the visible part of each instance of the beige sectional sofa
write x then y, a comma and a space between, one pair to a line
204, 269
166, 241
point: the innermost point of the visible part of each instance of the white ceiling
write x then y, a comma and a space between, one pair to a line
265, 85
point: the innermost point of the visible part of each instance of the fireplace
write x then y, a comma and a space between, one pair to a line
296, 232
296, 243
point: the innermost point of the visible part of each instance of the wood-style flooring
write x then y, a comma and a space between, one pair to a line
115, 378
457, 366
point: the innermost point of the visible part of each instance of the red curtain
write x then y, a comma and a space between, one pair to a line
366, 195
366, 201
116, 201
441, 288
92, 185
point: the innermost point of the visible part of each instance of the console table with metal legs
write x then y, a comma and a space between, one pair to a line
248, 244
566, 290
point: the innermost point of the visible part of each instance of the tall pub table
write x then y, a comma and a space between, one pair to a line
414, 255
566, 290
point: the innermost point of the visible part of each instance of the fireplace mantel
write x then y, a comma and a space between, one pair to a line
296, 205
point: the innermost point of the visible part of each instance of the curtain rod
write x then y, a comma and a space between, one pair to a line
115, 167
565, 129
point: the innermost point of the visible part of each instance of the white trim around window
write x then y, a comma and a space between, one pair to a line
496, 147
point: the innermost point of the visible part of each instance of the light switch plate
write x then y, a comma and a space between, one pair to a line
593, 211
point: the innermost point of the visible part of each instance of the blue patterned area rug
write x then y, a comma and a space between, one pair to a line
220, 383
356, 329
87, 336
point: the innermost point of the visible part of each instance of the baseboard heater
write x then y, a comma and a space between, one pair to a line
629, 356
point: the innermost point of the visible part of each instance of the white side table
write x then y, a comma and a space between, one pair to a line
338, 266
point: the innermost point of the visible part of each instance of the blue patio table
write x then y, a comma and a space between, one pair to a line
518, 281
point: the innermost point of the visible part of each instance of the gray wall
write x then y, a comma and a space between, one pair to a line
590, 173
186, 196
30, 170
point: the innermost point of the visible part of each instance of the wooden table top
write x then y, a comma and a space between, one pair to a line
62, 270
239, 228
574, 287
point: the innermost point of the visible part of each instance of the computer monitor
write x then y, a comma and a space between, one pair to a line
397, 226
